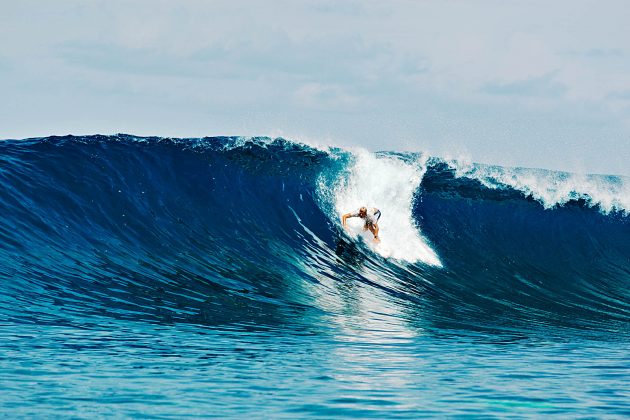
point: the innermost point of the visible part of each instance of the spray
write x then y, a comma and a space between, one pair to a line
389, 184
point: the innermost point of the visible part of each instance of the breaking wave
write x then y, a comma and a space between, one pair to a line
225, 230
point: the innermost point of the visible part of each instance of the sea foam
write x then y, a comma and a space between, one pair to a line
551, 188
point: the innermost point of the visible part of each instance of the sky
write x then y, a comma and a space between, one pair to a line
531, 83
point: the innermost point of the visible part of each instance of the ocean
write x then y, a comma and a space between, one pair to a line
211, 277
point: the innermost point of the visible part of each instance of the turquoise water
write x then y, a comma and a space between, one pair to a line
174, 371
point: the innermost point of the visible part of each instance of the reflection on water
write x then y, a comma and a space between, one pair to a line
349, 368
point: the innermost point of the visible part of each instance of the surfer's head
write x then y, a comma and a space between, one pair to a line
362, 211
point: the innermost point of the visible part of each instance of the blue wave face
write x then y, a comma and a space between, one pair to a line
508, 254
152, 229
231, 231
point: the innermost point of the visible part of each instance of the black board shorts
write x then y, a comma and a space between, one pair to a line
377, 214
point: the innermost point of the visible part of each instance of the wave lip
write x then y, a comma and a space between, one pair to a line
608, 193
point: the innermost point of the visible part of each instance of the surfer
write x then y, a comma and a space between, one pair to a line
370, 218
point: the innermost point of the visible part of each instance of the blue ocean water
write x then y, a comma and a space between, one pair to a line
165, 278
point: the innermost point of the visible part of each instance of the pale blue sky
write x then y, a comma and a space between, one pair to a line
532, 83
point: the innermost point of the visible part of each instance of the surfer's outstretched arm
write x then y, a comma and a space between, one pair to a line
344, 218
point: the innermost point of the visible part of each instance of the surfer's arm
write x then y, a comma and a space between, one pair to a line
345, 217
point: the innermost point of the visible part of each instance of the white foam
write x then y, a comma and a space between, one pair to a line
551, 189
388, 184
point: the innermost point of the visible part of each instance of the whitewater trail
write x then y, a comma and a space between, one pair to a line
388, 184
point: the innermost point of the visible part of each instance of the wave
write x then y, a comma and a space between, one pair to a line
608, 193
246, 231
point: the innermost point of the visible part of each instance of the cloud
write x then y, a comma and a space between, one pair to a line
544, 86
274, 55
596, 53
120, 59
325, 97
620, 96
5, 64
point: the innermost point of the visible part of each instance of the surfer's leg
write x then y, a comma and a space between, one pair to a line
374, 229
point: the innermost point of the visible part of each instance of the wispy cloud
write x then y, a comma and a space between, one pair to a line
544, 86
620, 96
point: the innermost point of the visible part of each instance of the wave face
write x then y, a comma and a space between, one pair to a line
237, 234
189, 229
